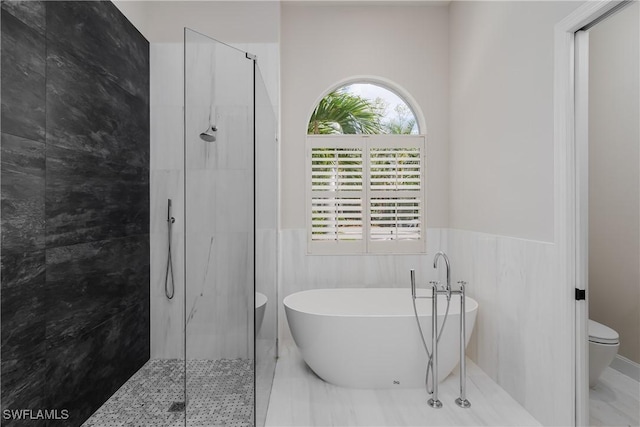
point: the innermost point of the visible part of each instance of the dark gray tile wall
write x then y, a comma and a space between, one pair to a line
75, 205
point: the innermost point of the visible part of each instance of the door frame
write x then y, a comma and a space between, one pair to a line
570, 180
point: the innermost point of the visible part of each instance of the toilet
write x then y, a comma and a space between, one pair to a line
603, 347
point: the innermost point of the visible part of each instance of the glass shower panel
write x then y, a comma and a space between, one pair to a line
219, 233
266, 244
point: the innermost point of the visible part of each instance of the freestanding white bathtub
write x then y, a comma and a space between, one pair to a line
368, 337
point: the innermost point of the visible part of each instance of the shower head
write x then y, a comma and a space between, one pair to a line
210, 134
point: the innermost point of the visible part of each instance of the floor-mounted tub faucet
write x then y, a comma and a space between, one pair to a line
434, 402
448, 265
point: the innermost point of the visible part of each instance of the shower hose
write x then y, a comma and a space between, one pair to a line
169, 290
424, 342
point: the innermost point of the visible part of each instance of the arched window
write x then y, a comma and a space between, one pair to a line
366, 174
362, 108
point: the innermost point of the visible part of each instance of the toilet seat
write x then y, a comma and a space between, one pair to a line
601, 334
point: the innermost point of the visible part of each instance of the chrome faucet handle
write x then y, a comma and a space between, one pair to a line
462, 284
439, 287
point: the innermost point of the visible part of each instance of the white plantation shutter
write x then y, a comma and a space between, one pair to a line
395, 218
365, 193
336, 183
336, 218
337, 195
396, 194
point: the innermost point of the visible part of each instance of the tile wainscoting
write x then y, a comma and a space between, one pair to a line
516, 339
522, 337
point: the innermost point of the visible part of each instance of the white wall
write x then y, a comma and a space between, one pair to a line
614, 177
324, 44
502, 207
501, 166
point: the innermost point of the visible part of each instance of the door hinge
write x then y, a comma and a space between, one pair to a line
581, 294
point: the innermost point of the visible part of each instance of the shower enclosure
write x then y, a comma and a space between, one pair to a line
229, 196
212, 361
266, 243
219, 230
111, 312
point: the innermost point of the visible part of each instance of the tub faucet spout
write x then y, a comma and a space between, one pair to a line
439, 255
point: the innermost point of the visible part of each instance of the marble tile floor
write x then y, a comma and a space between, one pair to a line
614, 400
300, 398
219, 393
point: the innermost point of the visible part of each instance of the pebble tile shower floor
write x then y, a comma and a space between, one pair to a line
219, 393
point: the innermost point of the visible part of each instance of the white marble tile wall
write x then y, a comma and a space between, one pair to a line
167, 182
219, 293
167, 315
266, 210
521, 338
266, 260
219, 183
219, 179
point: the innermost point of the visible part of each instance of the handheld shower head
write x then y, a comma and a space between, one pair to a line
210, 134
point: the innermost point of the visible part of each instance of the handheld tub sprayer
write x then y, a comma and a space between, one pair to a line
432, 364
